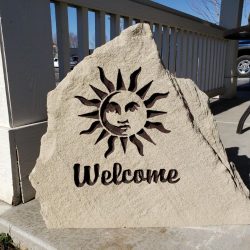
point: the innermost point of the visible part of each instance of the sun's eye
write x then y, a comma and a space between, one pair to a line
132, 106
113, 107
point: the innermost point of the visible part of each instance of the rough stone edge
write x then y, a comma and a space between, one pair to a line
230, 169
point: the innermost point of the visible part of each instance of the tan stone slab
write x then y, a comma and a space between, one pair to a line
120, 113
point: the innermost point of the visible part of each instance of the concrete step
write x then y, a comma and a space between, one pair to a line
28, 229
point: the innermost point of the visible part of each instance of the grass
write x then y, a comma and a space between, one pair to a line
6, 242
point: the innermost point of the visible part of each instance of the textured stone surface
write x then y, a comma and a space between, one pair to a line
209, 191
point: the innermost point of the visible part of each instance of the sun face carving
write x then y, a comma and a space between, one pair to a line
123, 113
120, 112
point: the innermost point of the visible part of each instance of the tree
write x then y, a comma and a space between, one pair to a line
54, 38
73, 41
207, 9
210, 9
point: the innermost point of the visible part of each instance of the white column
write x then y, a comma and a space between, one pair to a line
62, 27
82, 32
99, 28
230, 17
26, 77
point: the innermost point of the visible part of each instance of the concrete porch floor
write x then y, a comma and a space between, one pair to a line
227, 114
27, 227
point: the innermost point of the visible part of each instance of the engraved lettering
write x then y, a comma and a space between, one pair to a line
127, 176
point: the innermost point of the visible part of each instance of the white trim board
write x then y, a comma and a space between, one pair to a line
19, 149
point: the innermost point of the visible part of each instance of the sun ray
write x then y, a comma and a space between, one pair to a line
144, 135
133, 80
102, 135
111, 147
137, 143
93, 102
156, 125
124, 141
93, 115
153, 113
151, 100
98, 92
95, 125
109, 85
120, 83
143, 91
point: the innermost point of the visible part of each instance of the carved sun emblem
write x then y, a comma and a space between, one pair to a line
123, 113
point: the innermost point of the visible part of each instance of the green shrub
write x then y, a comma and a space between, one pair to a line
6, 242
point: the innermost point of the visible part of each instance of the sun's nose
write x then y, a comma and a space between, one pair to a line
123, 122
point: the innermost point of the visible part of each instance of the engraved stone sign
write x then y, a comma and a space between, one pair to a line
130, 145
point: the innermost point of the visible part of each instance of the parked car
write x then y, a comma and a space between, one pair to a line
56, 63
243, 61
73, 62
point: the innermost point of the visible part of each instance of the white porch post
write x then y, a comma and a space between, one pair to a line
26, 76
230, 17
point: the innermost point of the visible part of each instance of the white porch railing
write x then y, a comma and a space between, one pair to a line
189, 47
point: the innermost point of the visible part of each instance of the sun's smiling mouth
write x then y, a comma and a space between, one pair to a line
124, 126
117, 103
124, 129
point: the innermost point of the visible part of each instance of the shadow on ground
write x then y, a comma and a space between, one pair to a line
242, 164
243, 84
223, 105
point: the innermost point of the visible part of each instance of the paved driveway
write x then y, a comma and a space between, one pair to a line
227, 114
